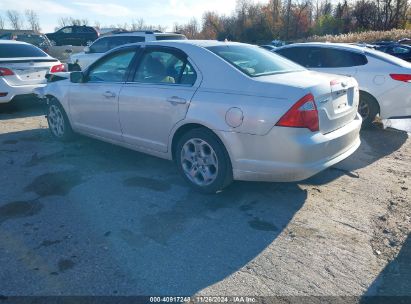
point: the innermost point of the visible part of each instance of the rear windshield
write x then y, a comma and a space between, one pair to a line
255, 61
388, 58
11, 50
171, 37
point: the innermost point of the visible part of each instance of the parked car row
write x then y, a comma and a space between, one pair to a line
222, 111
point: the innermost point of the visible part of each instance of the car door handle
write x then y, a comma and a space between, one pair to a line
176, 100
109, 94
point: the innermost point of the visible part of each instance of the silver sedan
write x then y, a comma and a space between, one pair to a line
221, 111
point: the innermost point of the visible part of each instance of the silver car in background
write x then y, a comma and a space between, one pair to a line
23, 68
221, 111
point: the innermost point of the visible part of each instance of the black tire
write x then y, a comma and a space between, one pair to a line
368, 109
56, 112
224, 172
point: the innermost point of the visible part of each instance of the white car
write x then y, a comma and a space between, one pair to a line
106, 43
222, 111
384, 80
23, 68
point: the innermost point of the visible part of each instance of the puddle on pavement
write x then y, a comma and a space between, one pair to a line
56, 183
65, 264
149, 183
10, 142
261, 225
19, 209
48, 243
132, 239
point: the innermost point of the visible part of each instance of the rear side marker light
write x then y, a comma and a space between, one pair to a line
3, 94
57, 68
6, 72
401, 77
303, 114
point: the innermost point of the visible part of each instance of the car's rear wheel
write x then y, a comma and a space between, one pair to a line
58, 122
203, 161
368, 109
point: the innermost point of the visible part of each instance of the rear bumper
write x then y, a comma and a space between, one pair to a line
13, 91
290, 154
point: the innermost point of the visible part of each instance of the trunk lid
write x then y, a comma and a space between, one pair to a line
28, 71
338, 106
336, 96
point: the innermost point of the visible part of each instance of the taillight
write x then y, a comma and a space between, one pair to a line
57, 68
401, 77
6, 72
303, 114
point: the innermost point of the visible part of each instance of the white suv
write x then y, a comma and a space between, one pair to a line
106, 43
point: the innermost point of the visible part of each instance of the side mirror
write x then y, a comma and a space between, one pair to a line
87, 50
76, 77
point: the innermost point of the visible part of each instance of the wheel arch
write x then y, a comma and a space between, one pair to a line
184, 128
364, 92
49, 96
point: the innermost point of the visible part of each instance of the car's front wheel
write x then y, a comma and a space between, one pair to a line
203, 161
58, 122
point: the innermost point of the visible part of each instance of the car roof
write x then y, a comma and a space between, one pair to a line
200, 43
345, 46
142, 33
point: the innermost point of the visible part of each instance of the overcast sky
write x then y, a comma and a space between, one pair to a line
160, 12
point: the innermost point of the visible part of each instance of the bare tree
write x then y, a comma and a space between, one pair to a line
68, 21
33, 20
15, 19
1, 22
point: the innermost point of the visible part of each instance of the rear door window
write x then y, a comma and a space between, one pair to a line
334, 58
66, 30
11, 50
296, 54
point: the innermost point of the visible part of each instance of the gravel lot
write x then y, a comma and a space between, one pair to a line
90, 218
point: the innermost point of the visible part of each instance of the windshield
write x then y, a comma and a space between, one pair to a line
14, 50
254, 61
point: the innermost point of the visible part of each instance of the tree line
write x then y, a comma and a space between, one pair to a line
298, 19
258, 23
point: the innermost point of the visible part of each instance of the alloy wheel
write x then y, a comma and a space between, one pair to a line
199, 162
56, 121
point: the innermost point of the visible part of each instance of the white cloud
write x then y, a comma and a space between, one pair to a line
51, 7
107, 9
